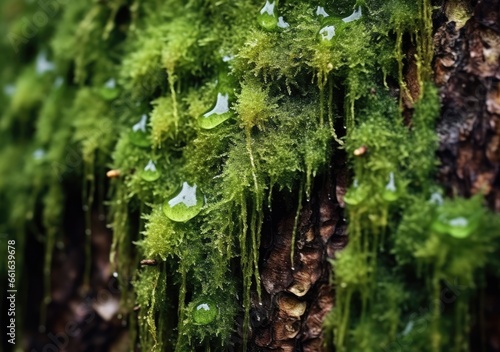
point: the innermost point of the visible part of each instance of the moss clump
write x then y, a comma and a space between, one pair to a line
393, 205
111, 65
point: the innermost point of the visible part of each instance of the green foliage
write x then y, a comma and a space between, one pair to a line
114, 62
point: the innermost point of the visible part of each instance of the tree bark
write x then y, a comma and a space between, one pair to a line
297, 293
467, 72
297, 296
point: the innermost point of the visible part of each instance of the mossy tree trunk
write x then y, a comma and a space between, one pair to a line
467, 72
284, 130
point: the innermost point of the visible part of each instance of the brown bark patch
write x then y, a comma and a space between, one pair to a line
296, 295
467, 67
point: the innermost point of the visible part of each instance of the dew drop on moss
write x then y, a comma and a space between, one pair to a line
109, 91
355, 195
436, 198
204, 312
320, 11
267, 18
282, 23
139, 135
150, 173
460, 227
227, 58
58, 82
454, 225
219, 113
9, 90
43, 65
356, 15
39, 154
390, 193
327, 33
185, 205
332, 25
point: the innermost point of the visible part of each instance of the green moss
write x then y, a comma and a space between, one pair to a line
389, 215
151, 300
291, 97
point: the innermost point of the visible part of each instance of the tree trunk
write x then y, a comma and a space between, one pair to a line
326, 136
467, 71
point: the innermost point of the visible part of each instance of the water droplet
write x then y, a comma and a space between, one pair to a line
110, 83
436, 198
115, 274
43, 65
343, 285
204, 313
60, 245
282, 23
150, 173
356, 194
356, 15
58, 82
332, 25
219, 113
320, 11
88, 232
41, 329
185, 205
39, 154
408, 328
9, 90
457, 219
139, 135
390, 193
109, 91
327, 33
227, 58
268, 18
454, 224
460, 227
391, 186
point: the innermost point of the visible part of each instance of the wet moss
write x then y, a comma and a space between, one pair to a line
292, 97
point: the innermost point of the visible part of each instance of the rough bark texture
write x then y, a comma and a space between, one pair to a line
79, 317
297, 296
467, 70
